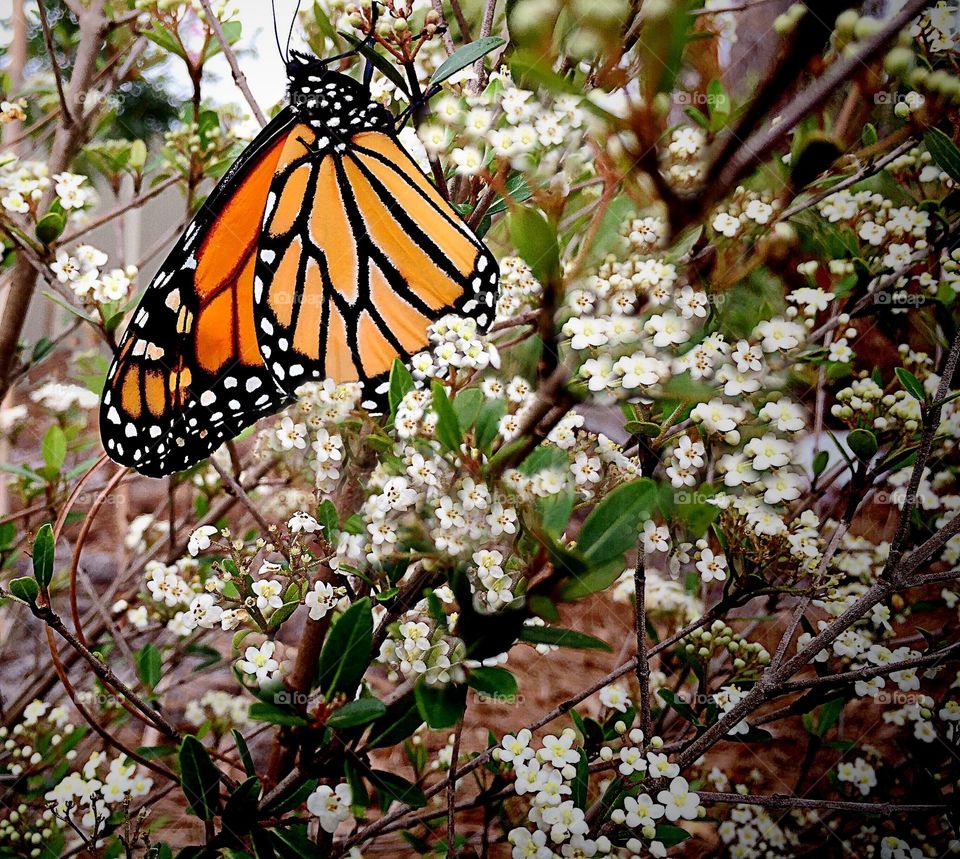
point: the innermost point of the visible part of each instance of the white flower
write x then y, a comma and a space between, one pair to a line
656, 538
331, 805
301, 521
200, 539
515, 749
529, 845
269, 594
259, 661
679, 802
292, 435
713, 568
321, 600
558, 751
631, 761
642, 811
615, 697
326, 447
502, 520
66, 268
726, 224
205, 612
586, 469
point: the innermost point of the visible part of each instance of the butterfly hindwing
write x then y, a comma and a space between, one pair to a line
188, 374
359, 253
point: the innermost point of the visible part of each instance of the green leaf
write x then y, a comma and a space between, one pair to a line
608, 231
820, 462
401, 382
488, 422
43, 555
149, 666
54, 447
467, 407
440, 706
465, 56
24, 589
594, 580
535, 241
399, 722
448, 428
328, 519
581, 781
50, 227
863, 443
719, 104
555, 511
678, 704
292, 798
828, 715
161, 36
612, 526
293, 842
393, 787
562, 638
261, 711
346, 652
199, 778
944, 152
669, 835
240, 810
379, 62
495, 683
911, 384
244, 751
359, 712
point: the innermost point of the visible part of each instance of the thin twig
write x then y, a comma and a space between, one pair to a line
52, 53
239, 78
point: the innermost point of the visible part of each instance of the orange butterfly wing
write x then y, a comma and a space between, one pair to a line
359, 254
188, 374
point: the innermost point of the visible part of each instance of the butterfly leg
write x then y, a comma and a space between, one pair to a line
415, 105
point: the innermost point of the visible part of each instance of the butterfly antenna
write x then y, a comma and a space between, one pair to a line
276, 31
293, 22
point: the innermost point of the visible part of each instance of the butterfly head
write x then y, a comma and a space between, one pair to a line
330, 100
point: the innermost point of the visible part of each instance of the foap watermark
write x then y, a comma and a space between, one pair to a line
290, 698
702, 99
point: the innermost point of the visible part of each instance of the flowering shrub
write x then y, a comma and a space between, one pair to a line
711, 432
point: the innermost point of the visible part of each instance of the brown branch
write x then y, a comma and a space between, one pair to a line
122, 209
66, 143
785, 801
52, 53
735, 159
239, 78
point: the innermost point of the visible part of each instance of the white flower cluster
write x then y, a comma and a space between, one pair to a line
519, 290
309, 436
508, 125
857, 773
545, 776
81, 271
181, 599
222, 710
23, 184
60, 397
88, 798
423, 650
664, 597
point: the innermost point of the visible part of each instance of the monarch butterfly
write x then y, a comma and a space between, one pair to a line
324, 252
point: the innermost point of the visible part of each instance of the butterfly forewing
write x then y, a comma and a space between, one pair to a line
359, 253
188, 374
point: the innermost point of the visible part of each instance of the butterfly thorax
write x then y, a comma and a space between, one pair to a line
335, 105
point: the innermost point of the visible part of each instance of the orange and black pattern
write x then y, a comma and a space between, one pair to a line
323, 253
349, 282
